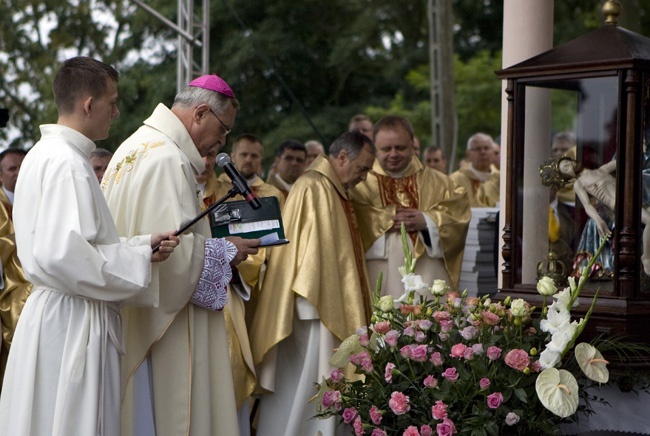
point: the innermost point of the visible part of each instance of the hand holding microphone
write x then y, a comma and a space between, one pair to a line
238, 181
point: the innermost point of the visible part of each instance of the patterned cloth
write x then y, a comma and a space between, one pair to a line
211, 291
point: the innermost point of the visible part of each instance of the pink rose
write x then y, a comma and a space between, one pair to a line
337, 375
362, 332
478, 349
494, 400
425, 324
375, 415
382, 327
405, 351
446, 326
430, 381
536, 366
490, 318
458, 350
439, 410
420, 336
411, 431
426, 430
446, 428
436, 358
419, 353
391, 338
450, 374
517, 359
399, 403
441, 316
484, 383
358, 427
469, 332
378, 432
493, 353
388, 372
468, 354
331, 398
512, 418
409, 331
349, 414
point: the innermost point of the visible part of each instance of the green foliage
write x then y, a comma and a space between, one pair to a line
478, 97
300, 69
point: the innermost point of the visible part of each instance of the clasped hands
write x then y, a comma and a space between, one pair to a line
413, 220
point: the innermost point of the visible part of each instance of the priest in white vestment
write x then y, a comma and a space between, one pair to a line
176, 372
63, 372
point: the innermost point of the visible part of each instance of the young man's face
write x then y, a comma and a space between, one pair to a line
104, 110
394, 149
247, 157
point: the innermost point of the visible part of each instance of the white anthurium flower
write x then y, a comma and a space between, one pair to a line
592, 363
439, 288
558, 391
546, 286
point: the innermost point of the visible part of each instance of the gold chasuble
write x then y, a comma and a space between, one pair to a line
322, 263
482, 193
376, 201
16, 287
241, 358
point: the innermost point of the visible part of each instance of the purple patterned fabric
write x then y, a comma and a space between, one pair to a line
210, 293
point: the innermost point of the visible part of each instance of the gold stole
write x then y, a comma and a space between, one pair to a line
359, 255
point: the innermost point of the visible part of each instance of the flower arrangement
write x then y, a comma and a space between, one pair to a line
436, 362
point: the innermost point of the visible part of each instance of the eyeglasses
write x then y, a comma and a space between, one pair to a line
227, 130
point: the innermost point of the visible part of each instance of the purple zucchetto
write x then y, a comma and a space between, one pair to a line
214, 83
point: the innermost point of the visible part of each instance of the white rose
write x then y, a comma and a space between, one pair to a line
518, 308
439, 288
546, 287
385, 303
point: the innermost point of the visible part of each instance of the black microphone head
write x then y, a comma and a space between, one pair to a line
223, 159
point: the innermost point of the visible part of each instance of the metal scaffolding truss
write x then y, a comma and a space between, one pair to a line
193, 28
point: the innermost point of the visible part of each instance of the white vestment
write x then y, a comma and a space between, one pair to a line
150, 184
62, 376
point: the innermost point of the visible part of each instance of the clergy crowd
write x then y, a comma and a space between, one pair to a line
114, 323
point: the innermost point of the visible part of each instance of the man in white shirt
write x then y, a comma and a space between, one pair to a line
63, 373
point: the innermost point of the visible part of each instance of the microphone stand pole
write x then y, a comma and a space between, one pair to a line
233, 191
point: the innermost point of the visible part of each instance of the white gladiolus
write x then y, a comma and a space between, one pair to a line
413, 282
555, 320
548, 359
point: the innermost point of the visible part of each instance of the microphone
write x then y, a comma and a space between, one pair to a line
238, 181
